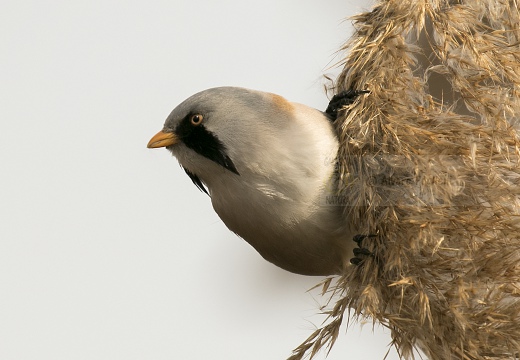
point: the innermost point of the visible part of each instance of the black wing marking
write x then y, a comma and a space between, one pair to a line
342, 99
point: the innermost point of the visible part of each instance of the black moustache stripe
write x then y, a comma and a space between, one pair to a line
203, 142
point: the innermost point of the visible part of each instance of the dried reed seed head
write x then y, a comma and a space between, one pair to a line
435, 175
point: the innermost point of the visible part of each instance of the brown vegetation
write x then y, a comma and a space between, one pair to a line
439, 130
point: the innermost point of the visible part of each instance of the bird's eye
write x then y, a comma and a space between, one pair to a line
196, 119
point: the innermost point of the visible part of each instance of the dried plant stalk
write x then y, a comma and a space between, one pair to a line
429, 162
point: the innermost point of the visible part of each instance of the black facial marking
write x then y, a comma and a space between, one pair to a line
196, 181
200, 140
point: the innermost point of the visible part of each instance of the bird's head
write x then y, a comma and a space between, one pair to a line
199, 126
226, 130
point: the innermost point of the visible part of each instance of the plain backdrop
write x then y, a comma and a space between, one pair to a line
107, 250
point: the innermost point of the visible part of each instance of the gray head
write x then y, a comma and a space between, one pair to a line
219, 129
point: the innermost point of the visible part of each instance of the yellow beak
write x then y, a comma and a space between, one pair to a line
162, 139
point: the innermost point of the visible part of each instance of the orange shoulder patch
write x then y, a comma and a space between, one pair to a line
281, 103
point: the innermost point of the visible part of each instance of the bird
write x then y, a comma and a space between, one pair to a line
269, 167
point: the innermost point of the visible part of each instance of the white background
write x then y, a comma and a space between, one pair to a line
107, 250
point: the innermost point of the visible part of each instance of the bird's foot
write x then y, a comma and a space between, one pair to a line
342, 99
360, 253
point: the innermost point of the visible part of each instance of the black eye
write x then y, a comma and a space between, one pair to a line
196, 119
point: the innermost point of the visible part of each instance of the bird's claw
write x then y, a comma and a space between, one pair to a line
342, 99
360, 253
